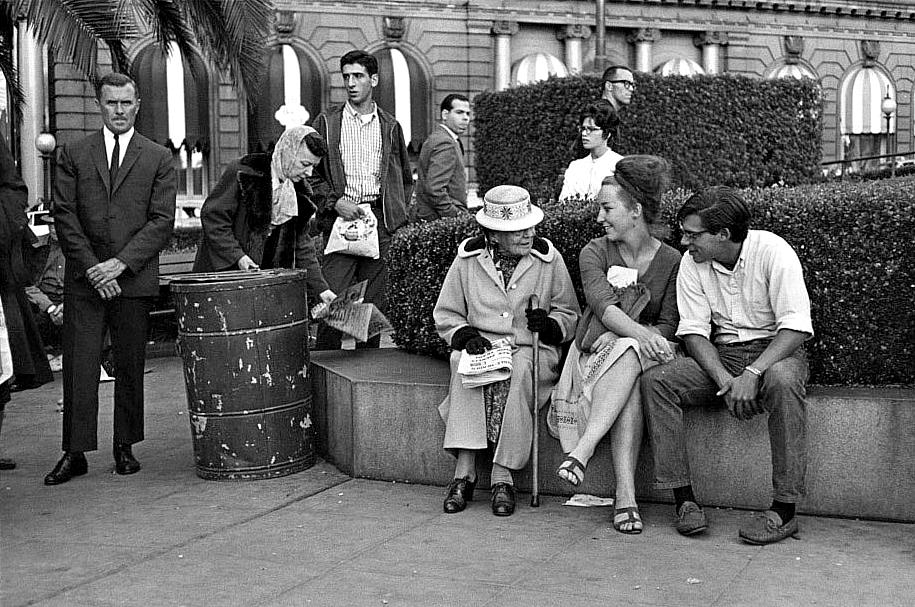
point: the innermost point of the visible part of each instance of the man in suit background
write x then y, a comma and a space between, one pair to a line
114, 212
441, 190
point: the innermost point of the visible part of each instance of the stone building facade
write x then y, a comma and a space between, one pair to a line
861, 52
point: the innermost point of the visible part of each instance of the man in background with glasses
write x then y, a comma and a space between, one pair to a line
744, 318
617, 86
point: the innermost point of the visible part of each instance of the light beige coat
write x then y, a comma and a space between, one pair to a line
473, 294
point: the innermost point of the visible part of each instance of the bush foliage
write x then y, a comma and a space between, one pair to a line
854, 240
715, 130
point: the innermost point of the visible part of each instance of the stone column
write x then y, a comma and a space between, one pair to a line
711, 43
32, 80
643, 38
503, 32
574, 37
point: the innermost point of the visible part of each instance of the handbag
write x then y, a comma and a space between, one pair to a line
631, 299
357, 237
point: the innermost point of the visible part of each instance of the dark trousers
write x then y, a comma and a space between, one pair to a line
666, 389
342, 271
86, 320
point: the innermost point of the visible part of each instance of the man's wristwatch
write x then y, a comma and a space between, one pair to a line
753, 370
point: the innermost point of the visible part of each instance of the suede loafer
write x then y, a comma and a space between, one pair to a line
691, 519
767, 528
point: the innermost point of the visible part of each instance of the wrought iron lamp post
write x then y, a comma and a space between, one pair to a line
888, 107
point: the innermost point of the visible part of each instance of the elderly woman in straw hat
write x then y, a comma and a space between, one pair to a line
629, 278
260, 212
485, 298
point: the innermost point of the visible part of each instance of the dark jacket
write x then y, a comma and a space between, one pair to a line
396, 177
236, 222
30, 365
441, 189
133, 223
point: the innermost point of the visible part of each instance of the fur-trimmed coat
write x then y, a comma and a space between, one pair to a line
473, 294
236, 222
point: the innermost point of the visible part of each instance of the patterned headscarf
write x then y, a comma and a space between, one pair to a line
285, 154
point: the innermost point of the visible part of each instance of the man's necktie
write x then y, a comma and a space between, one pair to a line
461, 145
115, 158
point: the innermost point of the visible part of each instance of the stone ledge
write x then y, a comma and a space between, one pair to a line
376, 417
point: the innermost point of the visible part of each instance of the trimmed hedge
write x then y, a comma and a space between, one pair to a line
715, 130
854, 240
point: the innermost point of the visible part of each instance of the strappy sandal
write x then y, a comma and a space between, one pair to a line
574, 468
631, 515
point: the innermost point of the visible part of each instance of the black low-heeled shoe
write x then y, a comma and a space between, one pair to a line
460, 491
503, 499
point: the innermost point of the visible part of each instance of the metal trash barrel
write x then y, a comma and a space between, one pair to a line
243, 337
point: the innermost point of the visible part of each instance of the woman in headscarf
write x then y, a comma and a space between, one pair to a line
629, 278
484, 298
259, 214
584, 176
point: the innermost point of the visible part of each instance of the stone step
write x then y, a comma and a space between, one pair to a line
376, 417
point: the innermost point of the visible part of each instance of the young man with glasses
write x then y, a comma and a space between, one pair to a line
744, 318
617, 86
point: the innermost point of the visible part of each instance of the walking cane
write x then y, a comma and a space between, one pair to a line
533, 303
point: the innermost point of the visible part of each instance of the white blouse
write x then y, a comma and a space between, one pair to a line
584, 176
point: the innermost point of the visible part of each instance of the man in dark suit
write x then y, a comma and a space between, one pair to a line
114, 212
441, 190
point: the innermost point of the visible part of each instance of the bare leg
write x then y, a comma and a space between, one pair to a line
612, 393
466, 464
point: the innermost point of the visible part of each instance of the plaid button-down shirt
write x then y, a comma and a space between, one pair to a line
360, 149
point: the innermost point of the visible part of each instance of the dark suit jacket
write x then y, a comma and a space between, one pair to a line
441, 190
133, 224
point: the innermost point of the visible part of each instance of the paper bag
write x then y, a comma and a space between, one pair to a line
358, 237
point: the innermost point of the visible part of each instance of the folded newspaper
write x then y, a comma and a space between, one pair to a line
489, 367
348, 314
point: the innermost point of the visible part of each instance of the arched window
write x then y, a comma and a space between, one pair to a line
175, 112
536, 67
403, 91
862, 125
292, 81
679, 66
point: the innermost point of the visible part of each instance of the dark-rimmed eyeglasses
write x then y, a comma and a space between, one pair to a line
692, 235
588, 129
628, 84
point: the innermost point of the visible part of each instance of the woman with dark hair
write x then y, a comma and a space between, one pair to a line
485, 298
260, 212
629, 278
584, 176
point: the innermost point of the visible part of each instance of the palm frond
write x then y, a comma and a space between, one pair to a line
73, 28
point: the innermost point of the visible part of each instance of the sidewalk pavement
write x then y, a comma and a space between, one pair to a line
166, 537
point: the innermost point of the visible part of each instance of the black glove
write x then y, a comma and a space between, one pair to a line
538, 321
468, 338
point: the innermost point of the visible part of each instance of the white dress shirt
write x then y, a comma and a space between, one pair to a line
764, 293
584, 176
123, 140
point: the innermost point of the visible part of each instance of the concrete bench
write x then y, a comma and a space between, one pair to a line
376, 417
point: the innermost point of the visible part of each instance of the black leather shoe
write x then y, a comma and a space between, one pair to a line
460, 491
124, 461
7, 464
73, 463
503, 499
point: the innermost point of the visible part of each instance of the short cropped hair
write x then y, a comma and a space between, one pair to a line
719, 207
613, 72
448, 101
362, 58
115, 79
